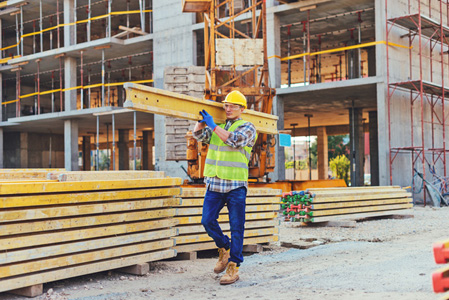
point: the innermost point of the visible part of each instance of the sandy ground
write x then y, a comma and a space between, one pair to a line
377, 259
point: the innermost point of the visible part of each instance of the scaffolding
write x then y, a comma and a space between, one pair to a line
423, 33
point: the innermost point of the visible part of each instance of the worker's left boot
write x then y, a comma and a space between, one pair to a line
232, 274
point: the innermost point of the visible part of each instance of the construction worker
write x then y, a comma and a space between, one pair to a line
226, 178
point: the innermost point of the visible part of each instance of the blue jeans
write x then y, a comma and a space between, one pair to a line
235, 200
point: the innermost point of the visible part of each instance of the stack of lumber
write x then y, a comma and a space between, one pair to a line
440, 278
25, 174
261, 225
51, 230
328, 204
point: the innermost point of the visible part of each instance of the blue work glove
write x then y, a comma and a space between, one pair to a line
208, 119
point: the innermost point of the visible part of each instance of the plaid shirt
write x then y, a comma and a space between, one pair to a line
242, 136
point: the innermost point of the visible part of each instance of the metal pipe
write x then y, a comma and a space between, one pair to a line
135, 141
360, 50
38, 88
102, 77
53, 94
60, 83
17, 35
107, 145
89, 91
21, 30
89, 15
18, 92
34, 37
51, 33
142, 16
289, 61
82, 80
40, 27
74, 20
127, 17
97, 142
49, 154
109, 18
113, 142
304, 51
57, 22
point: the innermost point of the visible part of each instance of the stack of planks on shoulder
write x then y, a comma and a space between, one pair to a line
261, 225
329, 204
77, 223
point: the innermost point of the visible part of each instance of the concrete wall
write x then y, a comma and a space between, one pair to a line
34, 150
174, 43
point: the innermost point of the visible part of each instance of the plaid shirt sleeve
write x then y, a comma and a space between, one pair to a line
242, 136
203, 135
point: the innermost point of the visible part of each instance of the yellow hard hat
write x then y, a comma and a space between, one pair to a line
235, 97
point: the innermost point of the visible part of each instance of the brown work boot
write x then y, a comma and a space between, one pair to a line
232, 274
223, 257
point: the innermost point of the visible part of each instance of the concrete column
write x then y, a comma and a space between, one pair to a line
170, 24
123, 149
69, 17
69, 82
357, 146
147, 150
274, 67
1, 92
371, 61
1, 148
382, 105
374, 148
71, 145
86, 153
24, 150
322, 149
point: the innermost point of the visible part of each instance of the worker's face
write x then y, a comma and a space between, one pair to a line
233, 111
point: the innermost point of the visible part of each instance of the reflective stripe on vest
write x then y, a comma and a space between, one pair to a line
227, 162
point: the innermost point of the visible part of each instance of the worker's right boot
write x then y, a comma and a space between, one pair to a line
223, 257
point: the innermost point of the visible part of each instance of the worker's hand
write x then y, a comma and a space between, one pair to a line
208, 119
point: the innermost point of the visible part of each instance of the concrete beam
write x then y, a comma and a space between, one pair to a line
374, 148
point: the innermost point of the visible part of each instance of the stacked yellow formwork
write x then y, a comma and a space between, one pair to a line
52, 230
261, 224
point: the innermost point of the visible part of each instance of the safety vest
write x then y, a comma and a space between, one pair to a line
227, 162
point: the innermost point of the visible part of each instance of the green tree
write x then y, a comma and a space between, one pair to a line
340, 167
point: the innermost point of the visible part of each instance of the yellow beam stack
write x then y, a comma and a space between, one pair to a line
261, 225
52, 230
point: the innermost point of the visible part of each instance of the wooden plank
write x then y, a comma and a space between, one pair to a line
81, 258
47, 225
103, 175
76, 186
85, 245
225, 218
361, 215
186, 202
85, 197
340, 211
63, 273
9, 243
189, 211
189, 229
358, 197
359, 188
29, 291
196, 238
132, 30
211, 245
30, 214
157, 101
139, 269
329, 194
360, 203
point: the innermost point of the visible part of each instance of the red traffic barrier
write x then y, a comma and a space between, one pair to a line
440, 280
441, 252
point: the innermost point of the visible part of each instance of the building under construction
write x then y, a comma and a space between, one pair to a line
367, 68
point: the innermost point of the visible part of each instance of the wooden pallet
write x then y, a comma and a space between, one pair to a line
329, 204
55, 230
261, 225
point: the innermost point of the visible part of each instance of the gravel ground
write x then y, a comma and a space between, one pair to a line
376, 259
